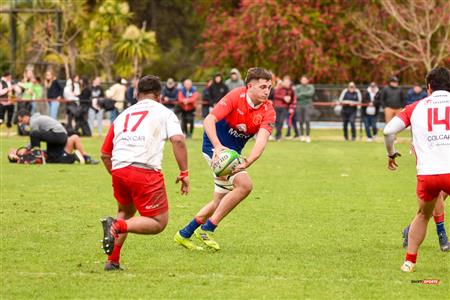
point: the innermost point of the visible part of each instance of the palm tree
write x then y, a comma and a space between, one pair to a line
137, 45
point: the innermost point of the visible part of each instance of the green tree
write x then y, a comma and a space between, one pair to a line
107, 24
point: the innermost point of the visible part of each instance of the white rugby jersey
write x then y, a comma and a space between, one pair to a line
430, 122
138, 135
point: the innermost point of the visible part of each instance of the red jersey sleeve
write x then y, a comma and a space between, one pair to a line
405, 114
226, 105
269, 120
108, 145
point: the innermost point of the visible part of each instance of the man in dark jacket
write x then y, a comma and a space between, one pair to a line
392, 99
54, 93
349, 99
370, 112
169, 94
415, 94
206, 99
217, 90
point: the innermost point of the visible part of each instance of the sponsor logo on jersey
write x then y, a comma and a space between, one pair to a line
238, 135
240, 111
133, 138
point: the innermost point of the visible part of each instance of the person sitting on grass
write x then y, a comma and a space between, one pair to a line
59, 145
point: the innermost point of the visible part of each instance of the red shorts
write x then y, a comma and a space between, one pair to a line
429, 186
141, 187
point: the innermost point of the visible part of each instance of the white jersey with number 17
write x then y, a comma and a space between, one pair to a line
430, 123
138, 135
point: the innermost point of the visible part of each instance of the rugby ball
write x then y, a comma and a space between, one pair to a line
225, 162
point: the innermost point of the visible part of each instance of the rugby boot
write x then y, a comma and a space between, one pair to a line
207, 238
112, 266
89, 160
185, 242
108, 237
443, 242
408, 267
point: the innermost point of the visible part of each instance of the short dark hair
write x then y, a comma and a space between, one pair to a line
118, 79
23, 112
6, 74
439, 79
256, 74
149, 84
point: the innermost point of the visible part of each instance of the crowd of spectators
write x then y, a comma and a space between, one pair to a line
87, 103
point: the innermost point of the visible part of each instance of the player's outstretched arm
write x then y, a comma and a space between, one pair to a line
180, 153
106, 159
257, 150
395, 126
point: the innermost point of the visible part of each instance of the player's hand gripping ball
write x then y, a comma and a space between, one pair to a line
225, 162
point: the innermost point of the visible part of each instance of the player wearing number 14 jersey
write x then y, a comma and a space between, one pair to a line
430, 123
132, 154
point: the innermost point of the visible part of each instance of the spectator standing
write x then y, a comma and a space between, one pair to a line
235, 80
38, 92
81, 119
392, 99
71, 93
6, 105
370, 112
206, 99
349, 99
27, 95
187, 99
283, 99
416, 93
117, 93
304, 93
95, 111
53, 92
217, 90
130, 95
169, 95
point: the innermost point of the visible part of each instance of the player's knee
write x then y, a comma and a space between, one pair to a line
246, 185
160, 227
424, 213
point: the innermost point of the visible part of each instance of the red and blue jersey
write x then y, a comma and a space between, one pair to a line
238, 119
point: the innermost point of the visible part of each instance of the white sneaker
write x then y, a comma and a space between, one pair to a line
79, 157
302, 138
408, 267
308, 139
271, 138
369, 140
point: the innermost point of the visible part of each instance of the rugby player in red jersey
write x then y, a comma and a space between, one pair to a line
430, 123
132, 153
236, 118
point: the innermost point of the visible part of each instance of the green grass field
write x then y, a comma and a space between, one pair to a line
324, 222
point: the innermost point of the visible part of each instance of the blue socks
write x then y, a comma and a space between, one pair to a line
188, 231
209, 226
440, 228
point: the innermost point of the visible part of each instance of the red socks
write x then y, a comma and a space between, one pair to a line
115, 255
121, 226
439, 219
411, 257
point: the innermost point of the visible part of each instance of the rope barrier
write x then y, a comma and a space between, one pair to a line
315, 103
